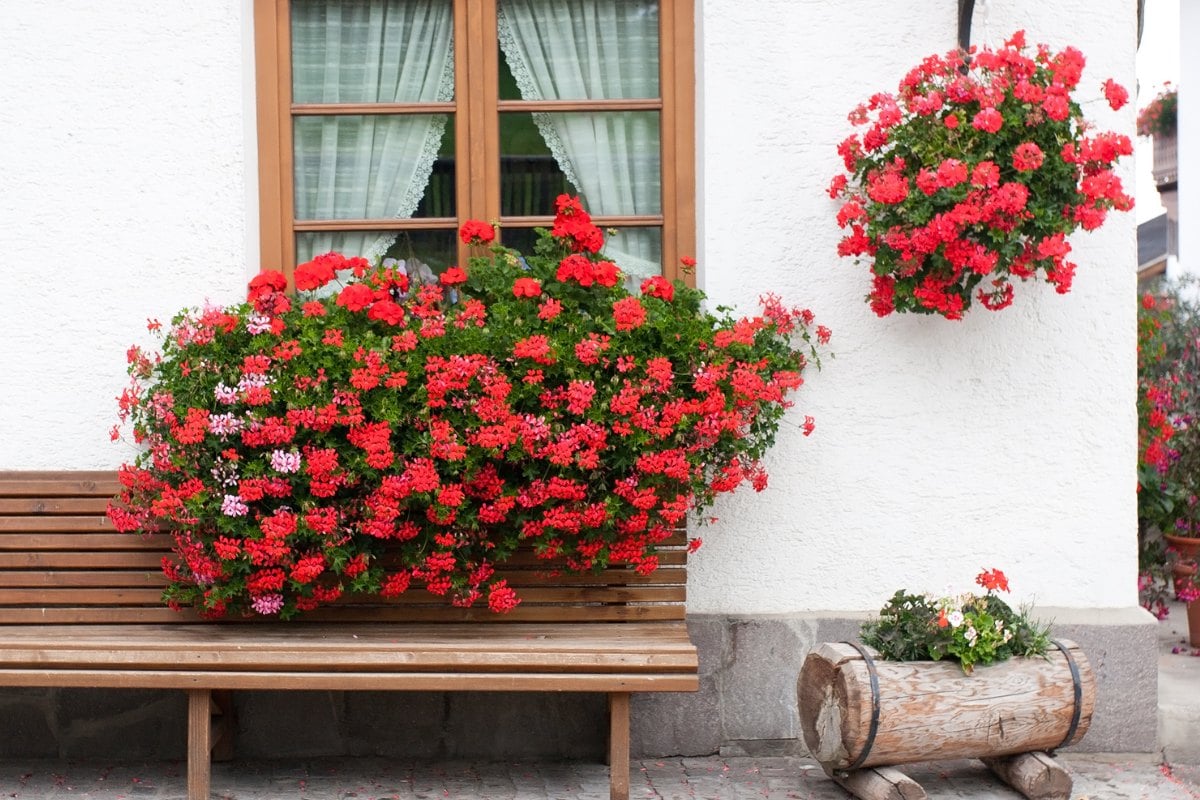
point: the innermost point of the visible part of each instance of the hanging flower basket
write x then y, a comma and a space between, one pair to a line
972, 175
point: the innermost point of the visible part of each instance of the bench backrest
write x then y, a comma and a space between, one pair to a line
61, 562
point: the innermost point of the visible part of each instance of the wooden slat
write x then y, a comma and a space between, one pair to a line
576, 615
80, 578
245, 634
53, 505
522, 613
335, 681
300, 659
59, 484
112, 595
54, 560
46, 537
48, 522
104, 596
525, 558
556, 594
29, 578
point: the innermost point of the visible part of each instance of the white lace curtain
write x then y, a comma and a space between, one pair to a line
595, 49
369, 166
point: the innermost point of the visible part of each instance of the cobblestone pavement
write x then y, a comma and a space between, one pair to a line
715, 778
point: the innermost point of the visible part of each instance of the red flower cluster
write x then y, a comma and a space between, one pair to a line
474, 231
944, 211
1160, 117
992, 580
288, 445
1156, 394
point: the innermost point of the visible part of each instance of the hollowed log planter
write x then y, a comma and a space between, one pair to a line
858, 710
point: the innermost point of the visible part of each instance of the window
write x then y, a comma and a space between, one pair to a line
385, 123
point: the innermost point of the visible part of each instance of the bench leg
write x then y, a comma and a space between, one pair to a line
618, 745
199, 742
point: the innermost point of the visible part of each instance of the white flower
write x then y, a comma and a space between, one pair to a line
971, 634
955, 618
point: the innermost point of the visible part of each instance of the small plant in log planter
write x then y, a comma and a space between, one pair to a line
964, 676
968, 628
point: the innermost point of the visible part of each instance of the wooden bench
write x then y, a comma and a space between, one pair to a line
80, 607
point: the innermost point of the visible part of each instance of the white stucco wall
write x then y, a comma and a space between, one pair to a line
122, 196
1006, 440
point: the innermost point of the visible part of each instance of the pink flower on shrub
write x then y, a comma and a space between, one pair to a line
988, 120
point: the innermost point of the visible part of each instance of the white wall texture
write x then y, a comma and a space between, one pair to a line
122, 197
1006, 440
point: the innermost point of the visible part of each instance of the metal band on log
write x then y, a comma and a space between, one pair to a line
930, 710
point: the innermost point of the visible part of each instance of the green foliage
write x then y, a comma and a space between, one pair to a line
969, 628
1168, 434
1161, 116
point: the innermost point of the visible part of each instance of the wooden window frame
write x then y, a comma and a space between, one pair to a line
477, 109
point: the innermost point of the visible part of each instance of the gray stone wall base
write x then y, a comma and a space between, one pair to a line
746, 705
749, 666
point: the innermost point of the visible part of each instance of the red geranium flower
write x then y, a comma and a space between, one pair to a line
356, 297
453, 276
526, 287
474, 231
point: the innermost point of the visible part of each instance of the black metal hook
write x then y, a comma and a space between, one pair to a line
966, 10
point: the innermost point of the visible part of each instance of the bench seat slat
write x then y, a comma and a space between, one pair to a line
363, 681
232, 635
602, 648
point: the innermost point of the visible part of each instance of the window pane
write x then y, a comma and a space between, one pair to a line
430, 250
611, 159
637, 251
372, 51
374, 166
582, 49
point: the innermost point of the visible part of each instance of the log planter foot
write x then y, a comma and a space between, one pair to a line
1034, 775
880, 783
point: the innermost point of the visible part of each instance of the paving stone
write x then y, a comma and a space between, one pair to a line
713, 778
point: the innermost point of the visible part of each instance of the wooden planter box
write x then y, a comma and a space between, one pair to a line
859, 711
